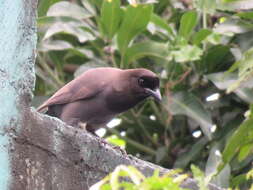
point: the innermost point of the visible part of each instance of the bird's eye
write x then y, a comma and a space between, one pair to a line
141, 81
148, 82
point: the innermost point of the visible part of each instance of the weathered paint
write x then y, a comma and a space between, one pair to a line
17, 45
4, 162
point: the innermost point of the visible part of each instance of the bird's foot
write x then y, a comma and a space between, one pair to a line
123, 151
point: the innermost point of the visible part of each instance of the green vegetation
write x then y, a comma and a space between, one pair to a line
203, 52
137, 181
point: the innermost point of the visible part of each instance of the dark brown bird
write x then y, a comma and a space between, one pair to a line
98, 95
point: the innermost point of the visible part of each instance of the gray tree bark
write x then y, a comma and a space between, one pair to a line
38, 152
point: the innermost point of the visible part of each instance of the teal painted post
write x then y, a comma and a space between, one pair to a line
17, 52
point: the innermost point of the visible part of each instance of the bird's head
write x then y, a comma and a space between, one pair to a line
144, 83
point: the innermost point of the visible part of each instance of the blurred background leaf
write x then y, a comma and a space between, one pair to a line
135, 20
202, 52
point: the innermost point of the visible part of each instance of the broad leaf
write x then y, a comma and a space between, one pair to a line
184, 103
231, 26
161, 153
81, 32
184, 159
57, 45
245, 151
205, 7
115, 140
200, 36
235, 5
110, 18
229, 1
220, 179
242, 136
135, 20
216, 58
89, 6
148, 48
245, 67
223, 81
65, 8
45, 22
245, 15
158, 21
213, 161
94, 63
187, 53
199, 177
188, 23
43, 6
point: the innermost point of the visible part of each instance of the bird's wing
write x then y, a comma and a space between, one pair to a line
70, 93
87, 85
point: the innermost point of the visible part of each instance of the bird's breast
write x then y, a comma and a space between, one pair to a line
122, 101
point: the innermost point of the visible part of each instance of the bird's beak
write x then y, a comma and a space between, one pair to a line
155, 93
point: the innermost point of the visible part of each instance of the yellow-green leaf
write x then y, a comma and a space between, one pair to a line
188, 23
135, 20
143, 49
110, 18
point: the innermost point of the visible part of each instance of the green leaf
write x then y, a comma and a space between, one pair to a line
245, 151
237, 180
49, 20
240, 137
187, 53
185, 103
213, 161
229, 1
55, 45
200, 177
89, 6
184, 159
233, 26
205, 7
143, 49
115, 140
245, 15
245, 67
246, 64
216, 58
93, 63
78, 30
161, 153
235, 5
135, 21
97, 3
110, 18
200, 36
65, 8
188, 23
156, 183
222, 178
224, 80
51, 25
158, 21
43, 6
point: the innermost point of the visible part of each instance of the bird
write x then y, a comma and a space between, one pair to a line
100, 94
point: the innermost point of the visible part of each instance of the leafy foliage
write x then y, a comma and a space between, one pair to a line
138, 181
202, 51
